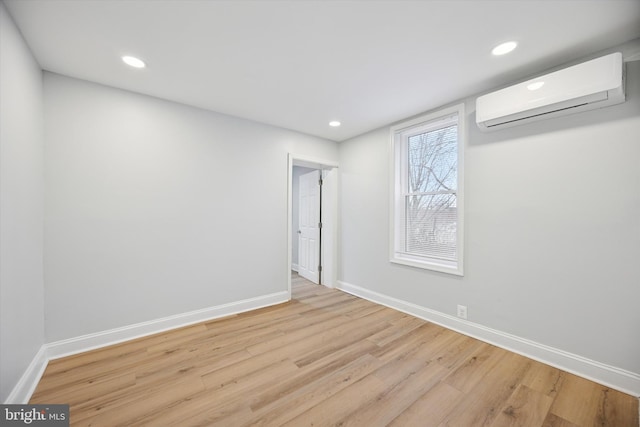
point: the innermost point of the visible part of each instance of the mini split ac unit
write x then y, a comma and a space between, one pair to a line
593, 84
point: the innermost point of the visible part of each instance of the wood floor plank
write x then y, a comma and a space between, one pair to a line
424, 334
70, 377
402, 390
555, 421
221, 336
584, 402
525, 407
481, 403
475, 367
221, 397
335, 408
139, 407
578, 401
84, 391
458, 352
230, 378
297, 335
398, 330
325, 358
313, 395
544, 378
430, 409
619, 409
312, 372
333, 342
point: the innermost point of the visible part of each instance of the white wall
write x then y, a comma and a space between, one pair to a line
295, 208
21, 206
155, 208
552, 231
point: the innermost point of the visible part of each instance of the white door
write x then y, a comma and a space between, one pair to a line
309, 226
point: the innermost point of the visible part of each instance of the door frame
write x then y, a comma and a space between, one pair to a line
329, 244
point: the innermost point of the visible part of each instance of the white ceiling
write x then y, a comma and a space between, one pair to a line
300, 64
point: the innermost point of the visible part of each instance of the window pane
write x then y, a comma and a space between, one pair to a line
432, 160
431, 226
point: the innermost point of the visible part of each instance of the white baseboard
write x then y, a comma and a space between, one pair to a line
88, 342
610, 376
295, 267
25, 387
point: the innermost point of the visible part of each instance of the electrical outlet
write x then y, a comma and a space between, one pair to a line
462, 311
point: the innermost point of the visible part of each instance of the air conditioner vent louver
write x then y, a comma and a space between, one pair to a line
593, 84
536, 115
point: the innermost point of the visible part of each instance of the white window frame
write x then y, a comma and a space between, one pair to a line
399, 135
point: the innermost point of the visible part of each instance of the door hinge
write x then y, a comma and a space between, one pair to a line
319, 268
319, 225
320, 182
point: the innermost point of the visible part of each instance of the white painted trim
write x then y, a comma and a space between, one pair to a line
396, 201
312, 162
610, 376
294, 267
25, 387
316, 163
289, 219
329, 221
88, 342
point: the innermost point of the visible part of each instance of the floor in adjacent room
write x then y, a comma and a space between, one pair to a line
325, 358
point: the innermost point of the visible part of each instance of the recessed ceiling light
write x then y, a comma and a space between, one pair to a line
133, 61
334, 123
535, 85
504, 48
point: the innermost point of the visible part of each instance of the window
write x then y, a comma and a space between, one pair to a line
427, 191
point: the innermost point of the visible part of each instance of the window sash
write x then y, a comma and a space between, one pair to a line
430, 241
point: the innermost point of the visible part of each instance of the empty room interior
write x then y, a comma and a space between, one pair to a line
442, 226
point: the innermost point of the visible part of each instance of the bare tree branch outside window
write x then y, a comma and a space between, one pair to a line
431, 211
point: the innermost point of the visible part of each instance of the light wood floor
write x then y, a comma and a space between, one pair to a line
324, 359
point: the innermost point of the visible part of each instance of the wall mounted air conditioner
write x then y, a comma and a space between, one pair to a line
593, 84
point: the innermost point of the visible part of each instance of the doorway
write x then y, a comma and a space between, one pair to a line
306, 232
312, 217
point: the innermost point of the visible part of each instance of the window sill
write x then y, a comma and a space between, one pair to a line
449, 268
